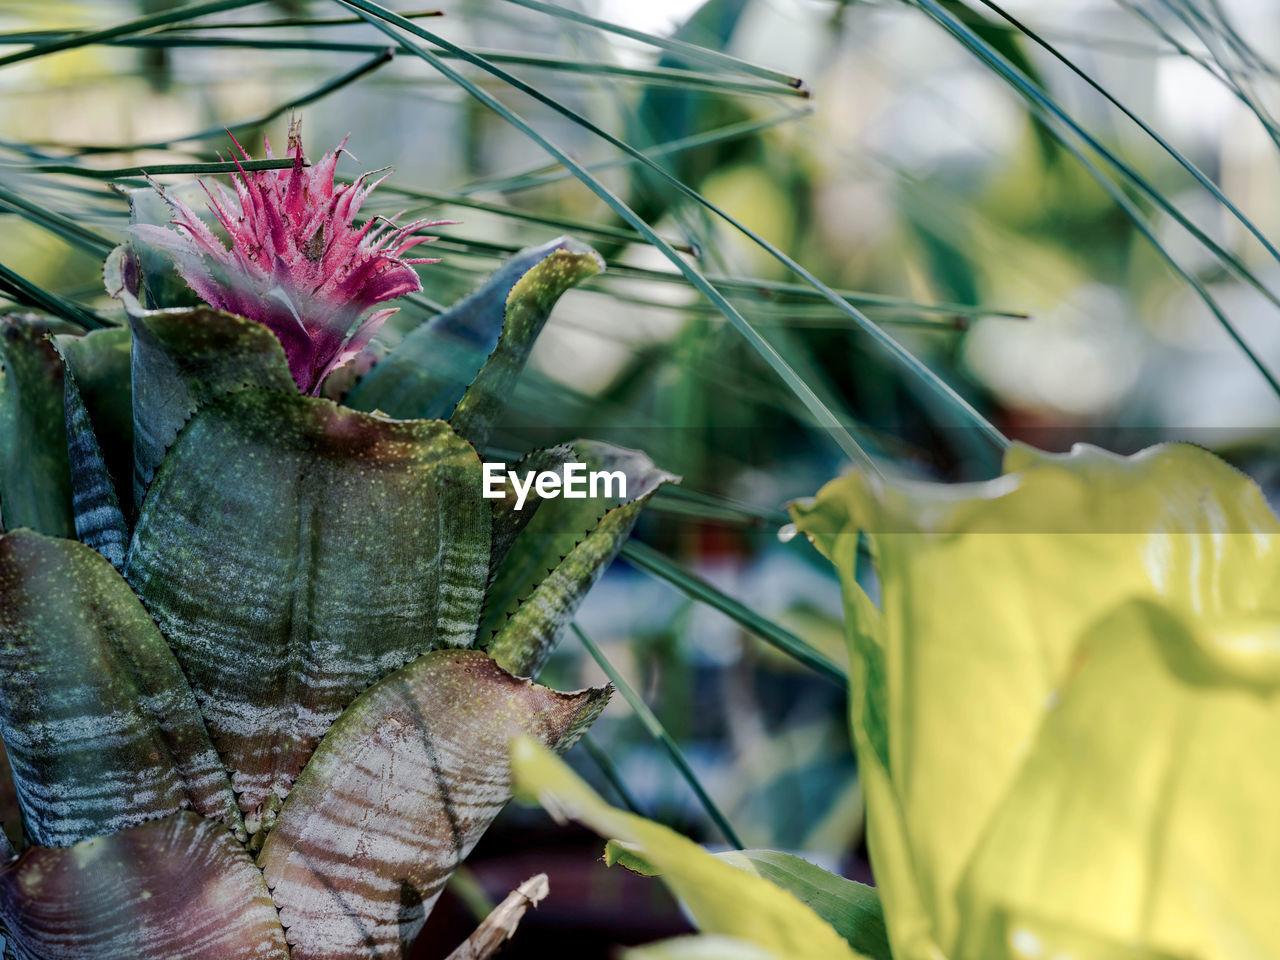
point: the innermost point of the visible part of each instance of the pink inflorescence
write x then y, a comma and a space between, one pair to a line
297, 263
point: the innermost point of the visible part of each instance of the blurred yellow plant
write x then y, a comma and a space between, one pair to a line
1064, 705
744, 915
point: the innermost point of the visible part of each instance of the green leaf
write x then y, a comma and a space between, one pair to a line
403, 786
429, 371
649, 720
99, 522
177, 887
158, 285
560, 555
100, 362
527, 308
294, 552
653, 562
184, 359
852, 908
987, 592
721, 898
101, 727
508, 522
35, 478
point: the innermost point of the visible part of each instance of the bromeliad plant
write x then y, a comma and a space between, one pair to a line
260, 651
1066, 705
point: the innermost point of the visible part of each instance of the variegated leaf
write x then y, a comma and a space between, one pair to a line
294, 552
184, 359
100, 362
180, 888
398, 794
35, 481
527, 308
559, 556
427, 373
99, 521
101, 727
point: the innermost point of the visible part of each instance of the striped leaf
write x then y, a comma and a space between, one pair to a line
294, 552
35, 480
427, 374
527, 308
398, 794
101, 727
99, 522
181, 887
560, 554
100, 362
184, 359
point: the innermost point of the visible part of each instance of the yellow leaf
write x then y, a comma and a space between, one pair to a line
721, 898
986, 594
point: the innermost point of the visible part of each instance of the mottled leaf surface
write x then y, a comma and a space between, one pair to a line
427, 373
180, 888
35, 480
398, 794
528, 306
100, 725
184, 359
294, 552
721, 898
560, 555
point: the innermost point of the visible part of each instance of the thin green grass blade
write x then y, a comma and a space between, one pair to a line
553, 173
677, 499
136, 25
609, 769
664, 568
382, 56
1201, 291
690, 53
21, 290
529, 216
290, 22
386, 21
63, 226
150, 170
656, 730
179, 41
936, 385
1046, 109
767, 288
1186, 164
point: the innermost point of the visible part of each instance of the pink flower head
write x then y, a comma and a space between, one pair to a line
297, 263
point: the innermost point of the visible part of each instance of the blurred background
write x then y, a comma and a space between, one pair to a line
1059, 207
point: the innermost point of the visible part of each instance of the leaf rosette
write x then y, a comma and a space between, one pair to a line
248, 708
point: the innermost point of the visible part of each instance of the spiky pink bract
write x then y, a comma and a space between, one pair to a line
297, 263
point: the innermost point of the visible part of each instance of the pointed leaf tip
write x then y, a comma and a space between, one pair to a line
404, 783
721, 898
